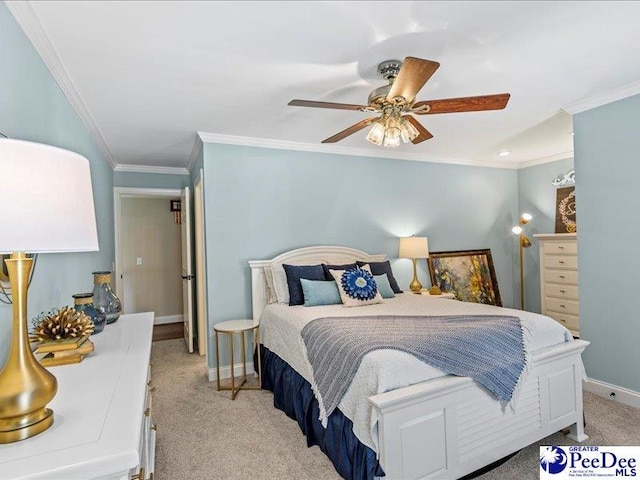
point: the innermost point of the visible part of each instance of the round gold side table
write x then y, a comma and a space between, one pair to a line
232, 327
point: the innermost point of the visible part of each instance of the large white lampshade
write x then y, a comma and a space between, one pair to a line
46, 200
414, 247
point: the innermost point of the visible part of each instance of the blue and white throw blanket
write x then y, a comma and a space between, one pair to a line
488, 348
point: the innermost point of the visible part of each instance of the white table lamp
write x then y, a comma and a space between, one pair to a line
46, 206
414, 248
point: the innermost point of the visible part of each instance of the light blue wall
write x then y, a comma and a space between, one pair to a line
607, 147
32, 107
262, 202
150, 180
537, 196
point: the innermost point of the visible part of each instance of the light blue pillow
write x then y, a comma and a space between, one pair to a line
384, 287
320, 292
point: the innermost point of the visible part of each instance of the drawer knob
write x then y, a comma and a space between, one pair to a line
560, 247
562, 306
561, 261
563, 321
561, 276
562, 291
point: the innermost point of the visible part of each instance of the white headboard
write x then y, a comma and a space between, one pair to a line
301, 256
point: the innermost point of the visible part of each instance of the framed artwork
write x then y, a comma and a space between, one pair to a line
469, 274
566, 210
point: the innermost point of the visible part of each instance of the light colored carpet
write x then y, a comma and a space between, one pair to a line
203, 434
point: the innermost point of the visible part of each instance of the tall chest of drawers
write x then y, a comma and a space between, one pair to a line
559, 279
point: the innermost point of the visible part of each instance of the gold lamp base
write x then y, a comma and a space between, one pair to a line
26, 426
415, 285
435, 290
26, 387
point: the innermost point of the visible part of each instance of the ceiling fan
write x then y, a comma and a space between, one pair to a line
398, 99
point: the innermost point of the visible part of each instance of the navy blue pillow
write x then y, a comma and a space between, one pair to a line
294, 274
327, 273
380, 268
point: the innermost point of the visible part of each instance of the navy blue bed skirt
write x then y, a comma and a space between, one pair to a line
293, 395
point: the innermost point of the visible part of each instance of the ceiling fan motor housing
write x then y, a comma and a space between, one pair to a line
389, 70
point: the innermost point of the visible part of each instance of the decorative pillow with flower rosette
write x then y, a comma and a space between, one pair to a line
357, 287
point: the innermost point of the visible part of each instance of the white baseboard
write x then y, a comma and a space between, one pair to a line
168, 319
225, 372
622, 395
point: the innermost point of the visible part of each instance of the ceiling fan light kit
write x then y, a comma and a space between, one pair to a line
397, 99
388, 130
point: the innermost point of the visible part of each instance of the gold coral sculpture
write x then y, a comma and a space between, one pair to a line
63, 324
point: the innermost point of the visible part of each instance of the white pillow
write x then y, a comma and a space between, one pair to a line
356, 287
280, 284
271, 291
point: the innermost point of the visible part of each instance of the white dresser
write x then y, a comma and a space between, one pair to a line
559, 279
102, 414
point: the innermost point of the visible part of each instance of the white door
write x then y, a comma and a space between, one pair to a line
187, 276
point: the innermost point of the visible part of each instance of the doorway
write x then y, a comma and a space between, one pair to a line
148, 271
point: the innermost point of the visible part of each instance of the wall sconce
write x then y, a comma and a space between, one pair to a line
414, 248
524, 242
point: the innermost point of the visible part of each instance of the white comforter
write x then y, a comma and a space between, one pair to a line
385, 370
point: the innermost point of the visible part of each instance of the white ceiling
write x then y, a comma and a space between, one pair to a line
147, 76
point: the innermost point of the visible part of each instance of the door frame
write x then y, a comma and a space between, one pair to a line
131, 192
200, 264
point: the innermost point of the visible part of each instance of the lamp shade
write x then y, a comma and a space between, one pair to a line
414, 247
46, 200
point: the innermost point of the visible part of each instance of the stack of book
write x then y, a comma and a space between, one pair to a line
63, 352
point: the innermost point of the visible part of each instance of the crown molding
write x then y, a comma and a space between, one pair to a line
603, 98
151, 169
28, 20
339, 150
548, 159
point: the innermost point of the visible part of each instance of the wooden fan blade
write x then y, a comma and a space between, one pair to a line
413, 74
464, 104
351, 130
338, 106
424, 133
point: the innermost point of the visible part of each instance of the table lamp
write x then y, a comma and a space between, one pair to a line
414, 248
46, 206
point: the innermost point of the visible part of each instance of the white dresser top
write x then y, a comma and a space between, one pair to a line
97, 410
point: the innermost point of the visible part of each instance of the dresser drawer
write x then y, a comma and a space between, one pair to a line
561, 261
561, 291
572, 322
561, 306
568, 248
561, 276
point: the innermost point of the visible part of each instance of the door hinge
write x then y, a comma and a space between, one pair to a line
188, 277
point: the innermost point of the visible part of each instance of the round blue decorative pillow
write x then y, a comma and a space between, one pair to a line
359, 284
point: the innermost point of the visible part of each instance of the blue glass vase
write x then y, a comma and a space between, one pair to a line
83, 302
103, 297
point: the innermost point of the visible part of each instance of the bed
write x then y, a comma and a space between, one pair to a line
407, 419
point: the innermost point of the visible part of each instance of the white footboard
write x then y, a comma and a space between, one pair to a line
449, 427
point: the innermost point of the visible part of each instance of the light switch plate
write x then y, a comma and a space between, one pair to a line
139, 261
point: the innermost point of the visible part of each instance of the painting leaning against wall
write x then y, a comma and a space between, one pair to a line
469, 274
